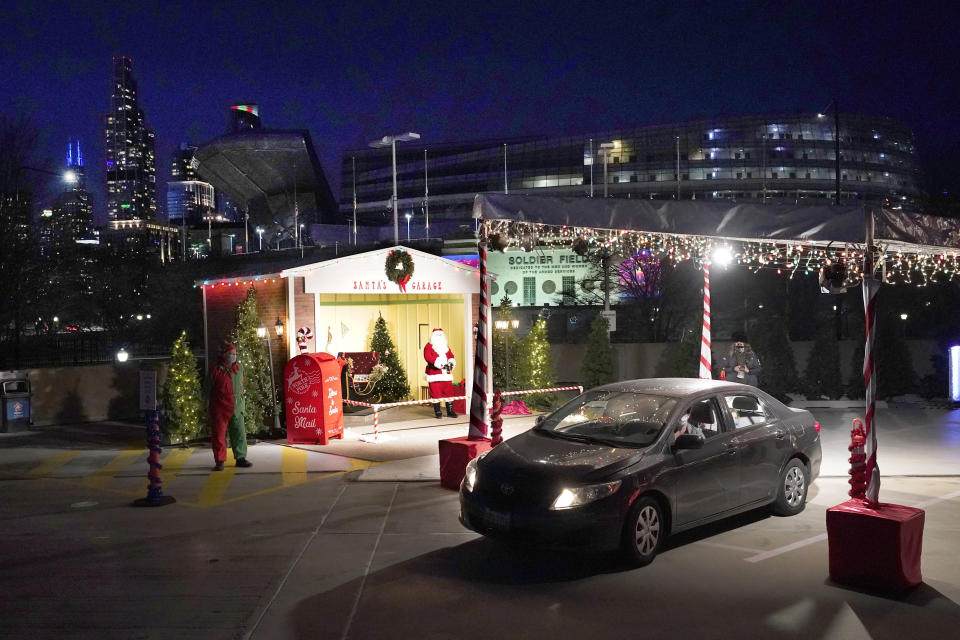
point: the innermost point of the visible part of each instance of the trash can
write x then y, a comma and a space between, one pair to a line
15, 400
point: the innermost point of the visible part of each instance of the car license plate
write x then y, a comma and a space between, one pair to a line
497, 520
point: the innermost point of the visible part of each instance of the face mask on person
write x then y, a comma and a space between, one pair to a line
740, 347
232, 358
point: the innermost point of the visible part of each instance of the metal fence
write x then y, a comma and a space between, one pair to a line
69, 349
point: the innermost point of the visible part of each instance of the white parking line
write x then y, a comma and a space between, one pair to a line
732, 547
927, 503
808, 541
785, 549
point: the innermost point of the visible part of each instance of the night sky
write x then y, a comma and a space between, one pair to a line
458, 71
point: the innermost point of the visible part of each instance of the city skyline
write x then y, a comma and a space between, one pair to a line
477, 74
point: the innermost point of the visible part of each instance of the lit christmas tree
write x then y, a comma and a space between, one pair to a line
252, 355
536, 371
184, 418
393, 386
597, 367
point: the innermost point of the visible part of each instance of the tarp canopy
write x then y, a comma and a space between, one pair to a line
810, 224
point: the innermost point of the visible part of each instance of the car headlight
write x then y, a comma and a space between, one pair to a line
470, 476
576, 496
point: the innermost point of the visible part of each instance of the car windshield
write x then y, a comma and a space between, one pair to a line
620, 418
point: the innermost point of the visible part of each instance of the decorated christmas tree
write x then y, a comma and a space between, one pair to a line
597, 367
252, 355
393, 386
184, 418
537, 370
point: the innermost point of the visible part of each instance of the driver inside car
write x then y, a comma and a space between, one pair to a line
697, 420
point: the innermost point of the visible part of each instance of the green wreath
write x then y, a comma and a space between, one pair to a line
399, 266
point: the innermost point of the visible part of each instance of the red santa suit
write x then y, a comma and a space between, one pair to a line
439, 370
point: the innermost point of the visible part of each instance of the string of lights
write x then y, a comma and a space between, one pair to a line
842, 263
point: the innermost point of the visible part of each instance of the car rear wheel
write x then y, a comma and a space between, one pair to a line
792, 490
643, 531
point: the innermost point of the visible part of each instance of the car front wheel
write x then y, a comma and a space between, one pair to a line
792, 490
643, 532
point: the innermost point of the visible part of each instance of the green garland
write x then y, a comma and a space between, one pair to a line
399, 257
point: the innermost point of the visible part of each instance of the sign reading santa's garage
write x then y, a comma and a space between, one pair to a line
397, 270
312, 401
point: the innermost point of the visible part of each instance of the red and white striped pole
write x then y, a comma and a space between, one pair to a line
706, 356
478, 399
871, 286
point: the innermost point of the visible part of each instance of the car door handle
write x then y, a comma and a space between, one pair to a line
780, 434
729, 449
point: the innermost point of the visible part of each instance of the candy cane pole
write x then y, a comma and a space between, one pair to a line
496, 420
478, 400
155, 497
705, 352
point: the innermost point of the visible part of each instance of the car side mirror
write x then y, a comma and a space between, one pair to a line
688, 441
540, 419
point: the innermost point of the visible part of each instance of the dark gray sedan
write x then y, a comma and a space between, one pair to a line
629, 463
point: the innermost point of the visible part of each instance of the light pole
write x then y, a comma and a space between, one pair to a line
508, 327
836, 142
408, 216
605, 149
263, 333
260, 234
391, 141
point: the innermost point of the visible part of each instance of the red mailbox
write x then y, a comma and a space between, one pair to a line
313, 404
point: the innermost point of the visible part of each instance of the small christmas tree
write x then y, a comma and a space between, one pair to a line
184, 418
778, 366
682, 359
393, 386
895, 373
597, 367
822, 378
537, 372
252, 355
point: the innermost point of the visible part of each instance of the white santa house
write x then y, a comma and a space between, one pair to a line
341, 299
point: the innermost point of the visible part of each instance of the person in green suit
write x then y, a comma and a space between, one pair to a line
227, 409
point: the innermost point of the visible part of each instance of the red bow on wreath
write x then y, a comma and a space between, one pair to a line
403, 283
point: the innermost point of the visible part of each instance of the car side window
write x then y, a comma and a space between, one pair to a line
700, 418
747, 410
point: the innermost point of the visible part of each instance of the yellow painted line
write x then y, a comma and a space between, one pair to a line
120, 462
357, 463
52, 463
173, 462
216, 485
293, 463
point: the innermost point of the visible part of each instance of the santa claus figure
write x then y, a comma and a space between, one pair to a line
438, 372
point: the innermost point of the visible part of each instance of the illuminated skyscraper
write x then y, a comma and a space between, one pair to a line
72, 210
131, 167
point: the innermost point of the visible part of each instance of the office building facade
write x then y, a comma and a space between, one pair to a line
190, 200
131, 165
754, 158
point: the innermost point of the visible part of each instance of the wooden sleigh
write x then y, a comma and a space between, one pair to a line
362, 372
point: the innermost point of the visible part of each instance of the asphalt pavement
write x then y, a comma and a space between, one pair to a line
300, 546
